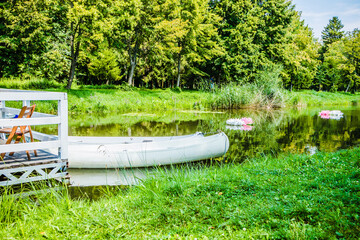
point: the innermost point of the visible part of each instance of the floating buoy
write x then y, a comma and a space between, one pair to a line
335, 114
242, 128
239, 121
239, 124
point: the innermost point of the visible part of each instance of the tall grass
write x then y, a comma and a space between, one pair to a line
265, 91
290, 197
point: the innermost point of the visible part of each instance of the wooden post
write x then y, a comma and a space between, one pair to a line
63, 127
2, 115
26, 103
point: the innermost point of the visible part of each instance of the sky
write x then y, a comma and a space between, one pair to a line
317, 13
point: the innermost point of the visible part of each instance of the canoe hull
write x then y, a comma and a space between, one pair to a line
109, 152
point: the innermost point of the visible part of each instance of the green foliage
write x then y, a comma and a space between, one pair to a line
105, 67
163, 44
340, 68
332, 31
300, 62
289, 197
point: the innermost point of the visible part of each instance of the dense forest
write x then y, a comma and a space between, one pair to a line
169, 43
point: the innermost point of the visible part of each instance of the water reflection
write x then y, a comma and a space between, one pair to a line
96, 177
285, 130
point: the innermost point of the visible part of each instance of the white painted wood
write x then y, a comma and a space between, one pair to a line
31, 168
56, 172
35, 114
15, 95
44, 137
29, 121
47, 141
63, 128
32, 179
26, 103
2, 115
29, 146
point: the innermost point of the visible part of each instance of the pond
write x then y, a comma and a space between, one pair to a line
274, 131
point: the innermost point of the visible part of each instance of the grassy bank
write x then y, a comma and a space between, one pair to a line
96, 99
120, 101
289, 197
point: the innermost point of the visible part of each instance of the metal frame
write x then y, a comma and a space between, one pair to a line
46, 141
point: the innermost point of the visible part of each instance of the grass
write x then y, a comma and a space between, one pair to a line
314, 98
263, 93
285, 197
102, 101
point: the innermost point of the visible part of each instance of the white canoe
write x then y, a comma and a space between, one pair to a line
125, 152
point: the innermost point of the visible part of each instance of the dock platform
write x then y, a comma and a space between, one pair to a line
18, 169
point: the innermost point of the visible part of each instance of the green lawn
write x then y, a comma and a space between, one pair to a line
285, 197
120, 101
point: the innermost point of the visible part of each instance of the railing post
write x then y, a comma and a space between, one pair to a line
63, 127
2, 113
26, 103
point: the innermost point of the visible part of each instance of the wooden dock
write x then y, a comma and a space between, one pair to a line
18, 168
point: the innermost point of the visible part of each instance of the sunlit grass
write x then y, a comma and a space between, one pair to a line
109, 99
289, 197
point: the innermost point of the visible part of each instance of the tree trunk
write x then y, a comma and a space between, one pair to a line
74, 53
131, 74
132, 55
179, 67
348, 86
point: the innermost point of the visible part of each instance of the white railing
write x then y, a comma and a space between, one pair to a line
46, 141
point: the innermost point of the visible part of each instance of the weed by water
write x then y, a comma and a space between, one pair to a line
265, 91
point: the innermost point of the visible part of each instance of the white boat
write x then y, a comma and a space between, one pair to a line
125, 152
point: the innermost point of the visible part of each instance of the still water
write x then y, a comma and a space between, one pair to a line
273, 132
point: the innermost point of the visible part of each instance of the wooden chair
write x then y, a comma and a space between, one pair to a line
20, 131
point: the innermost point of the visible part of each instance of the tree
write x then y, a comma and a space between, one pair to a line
255, 36
194, 36
134, 22
301, 57
352, 53
342, 63
105, 67
332, 31
80, 17
25, 28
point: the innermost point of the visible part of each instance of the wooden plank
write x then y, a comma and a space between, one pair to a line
19, 164
44, 137
32, 179
17, 110
33, 167
19, 159
29, 146
63, 128
29, 121
15, 95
